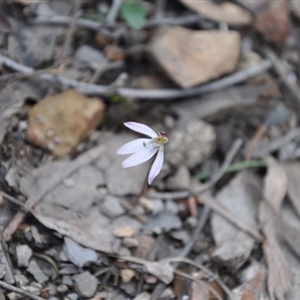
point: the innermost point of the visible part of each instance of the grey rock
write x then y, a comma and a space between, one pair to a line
32, 289
190, 144
180, 235
66, 280
53, 298
181, 180
191, 222
161, 270
130, 242
154, 206
24, 254
35, 270
2, 270
21, 280
13, 296
38, 238
112, 207
88, 54
51, 288
62, 289
163, 222
77, 254
241, 197
62, 256
72, 296
172, 207
129, 288
142, 296
120, 181
85, 284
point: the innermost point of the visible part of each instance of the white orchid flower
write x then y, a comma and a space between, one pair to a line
144, 148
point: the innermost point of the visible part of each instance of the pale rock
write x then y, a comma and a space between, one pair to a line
192, 57
163, 222
60, 122
226, 12
181, 179
152, 205
112, 207
86, 284
77, 254
130, 242
190, 143
24, 254
88, 54
127, 275
122, 232
35, 270
162, 270
142, 296
241, 197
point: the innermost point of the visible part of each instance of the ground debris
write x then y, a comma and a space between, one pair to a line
85, 284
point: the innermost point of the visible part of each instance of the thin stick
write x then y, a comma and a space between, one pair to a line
19, 291
207, 199
201, 282
72, 27
206, 186
114, 10
282, 71
163, 94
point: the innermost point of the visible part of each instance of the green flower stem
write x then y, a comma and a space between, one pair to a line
236, 167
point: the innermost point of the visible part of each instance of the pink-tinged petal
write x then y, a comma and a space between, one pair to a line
141, 128
139, 157
134, 146
157, 165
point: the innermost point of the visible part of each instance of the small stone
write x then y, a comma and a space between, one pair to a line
72, 296
152, 205
35, 270
208, 54
167, 294
24, 254
77, 254
190, 143
62, 289
14, 296
51, 288
191, 222
32, 290
2, 270
66, 280
70, 115
130, 242
126, 231
161, 270
88, 54
180, 235
273, 22
21, 280
163, 222
181, 180
172, 207
124, 252
85, 284
142, 296
127, 275
112, 207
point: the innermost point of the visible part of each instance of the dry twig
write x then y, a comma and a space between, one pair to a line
166, 94
282, 71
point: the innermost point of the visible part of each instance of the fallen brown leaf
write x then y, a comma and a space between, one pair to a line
275, 188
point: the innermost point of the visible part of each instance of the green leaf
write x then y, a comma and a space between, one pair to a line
133, 12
